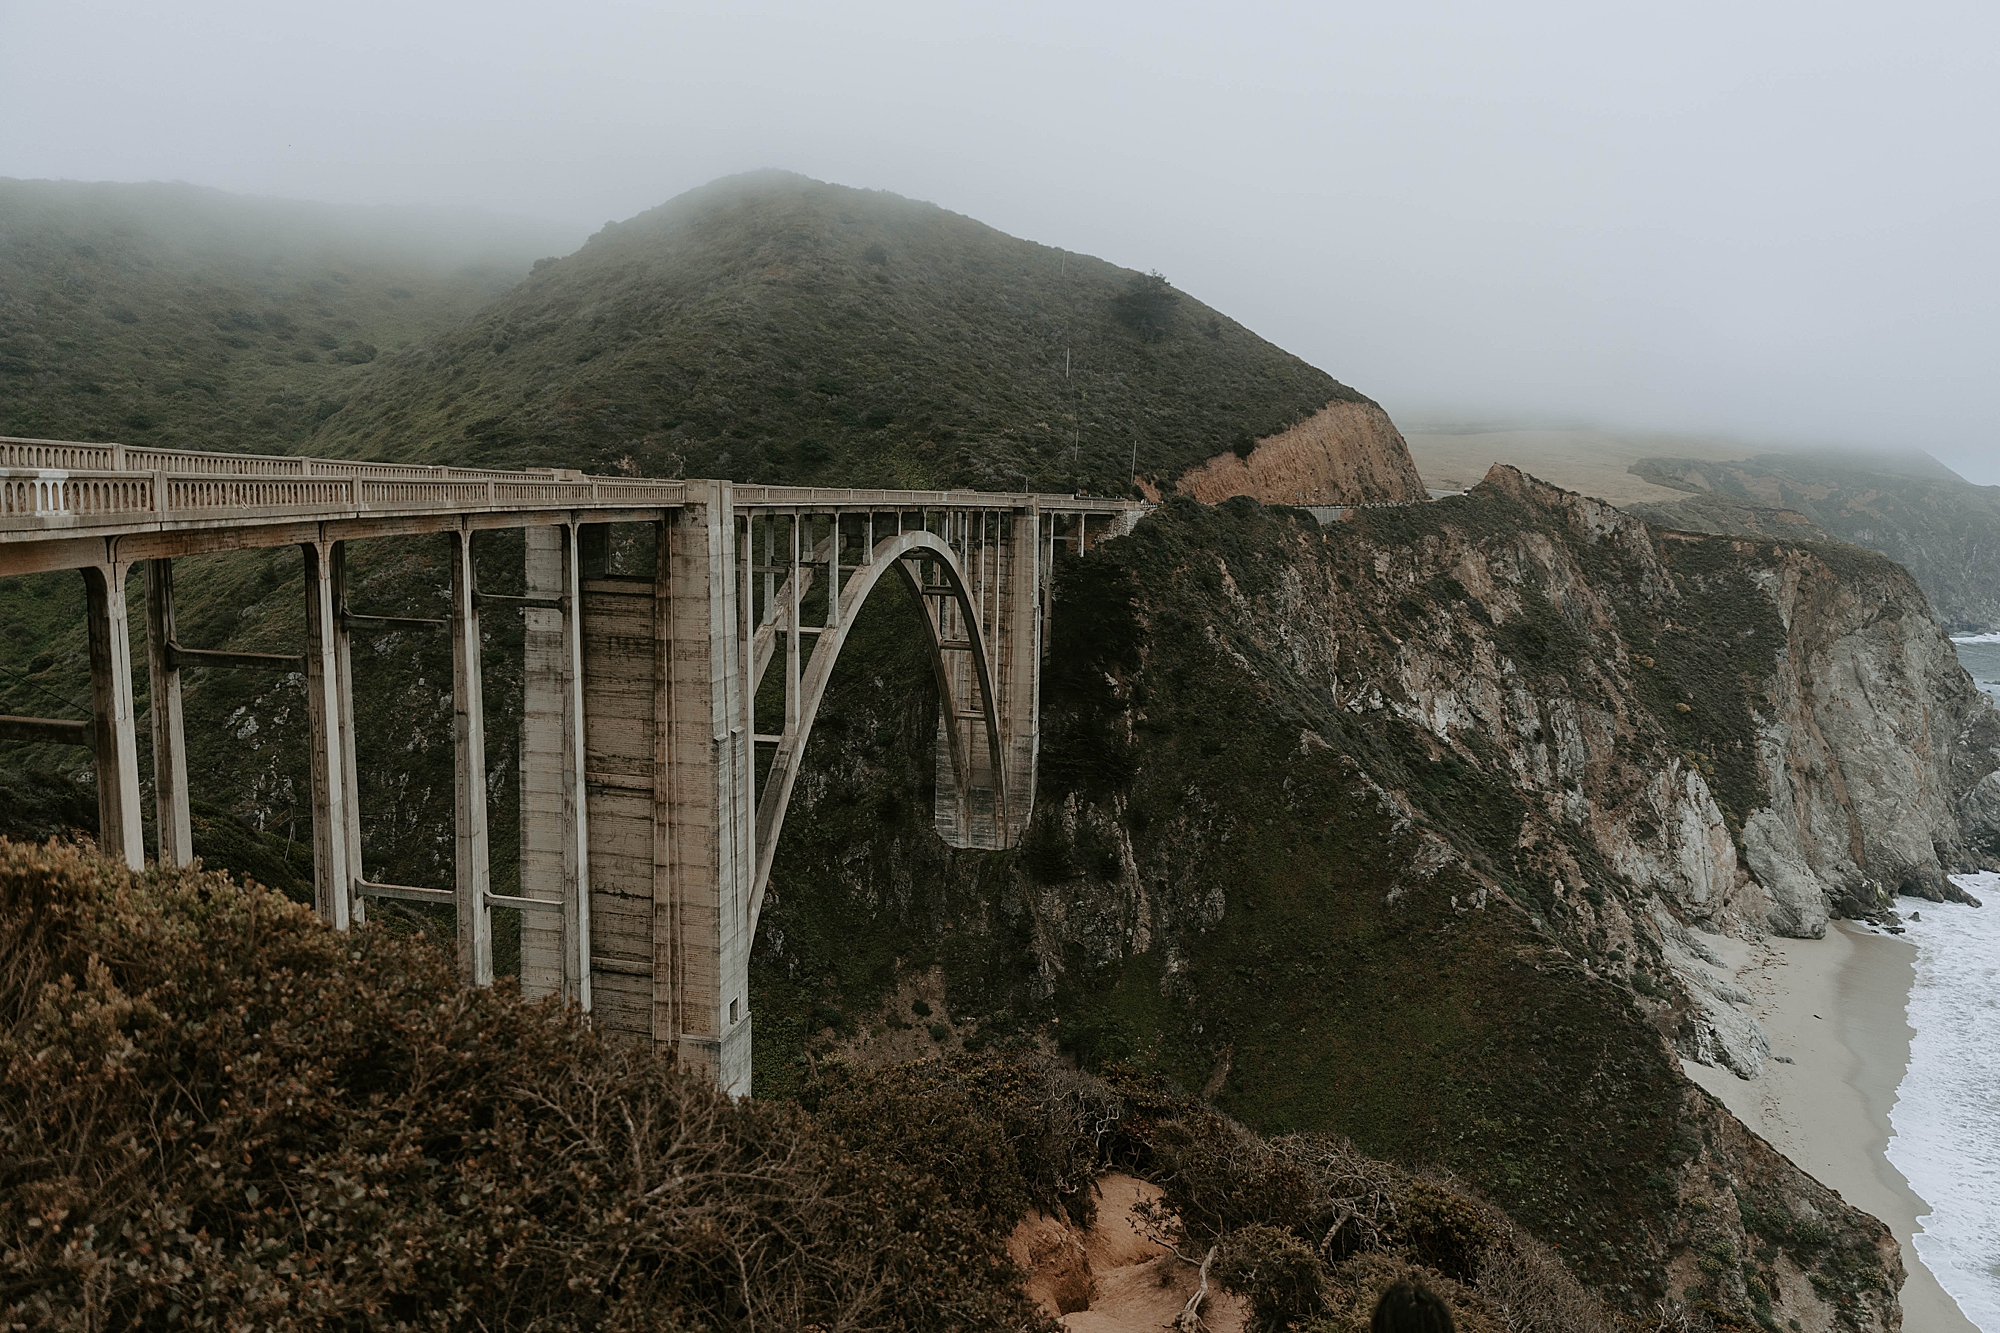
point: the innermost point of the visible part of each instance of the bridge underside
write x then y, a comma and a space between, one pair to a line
653, 792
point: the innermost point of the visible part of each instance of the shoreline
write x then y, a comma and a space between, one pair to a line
1837, 1007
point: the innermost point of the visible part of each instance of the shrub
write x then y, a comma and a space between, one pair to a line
1532, 1292
218, 1111
1275, 1271
1146, 306
1005, 1135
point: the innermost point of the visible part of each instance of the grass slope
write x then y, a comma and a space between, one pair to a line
772, 327
172, 315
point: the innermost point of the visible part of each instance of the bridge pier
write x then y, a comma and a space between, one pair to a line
171, 817
472, 875
330, 723
114, 732
701, 941
988, 806
555, 838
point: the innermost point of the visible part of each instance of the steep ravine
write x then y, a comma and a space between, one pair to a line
1412, 828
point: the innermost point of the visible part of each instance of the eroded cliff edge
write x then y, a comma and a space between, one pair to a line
1413, 827
1349, 452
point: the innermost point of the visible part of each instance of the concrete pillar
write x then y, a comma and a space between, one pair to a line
1005, 579
796, 584
746, 638
163, 674
350, 771
710, 865
333, 877
555, 857
468, 732
120, 831
1019, 592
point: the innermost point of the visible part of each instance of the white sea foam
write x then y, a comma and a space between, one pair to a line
1990, 637
1947, 1113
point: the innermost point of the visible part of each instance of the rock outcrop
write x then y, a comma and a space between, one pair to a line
1415, 827
1912, 509
1858, 751
1349, 452
1873, 742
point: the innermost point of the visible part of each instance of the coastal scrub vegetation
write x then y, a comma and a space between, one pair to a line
219, 1112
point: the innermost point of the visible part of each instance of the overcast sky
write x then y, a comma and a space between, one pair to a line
1773, 220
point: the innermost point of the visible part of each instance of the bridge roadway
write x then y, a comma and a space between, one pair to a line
648, 822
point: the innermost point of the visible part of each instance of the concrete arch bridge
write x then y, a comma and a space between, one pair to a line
651, 800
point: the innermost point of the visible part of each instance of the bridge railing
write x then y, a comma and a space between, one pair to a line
45, 499
57, 485
66, 455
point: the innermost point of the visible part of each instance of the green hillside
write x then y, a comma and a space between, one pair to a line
773, 327
168, 314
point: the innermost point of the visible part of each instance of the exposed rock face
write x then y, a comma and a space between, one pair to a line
1414, 828
1914, 510
1869, 741
1979, 819
1873, 742
1346, 453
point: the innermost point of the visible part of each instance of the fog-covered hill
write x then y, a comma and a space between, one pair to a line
171, 314
1940, 527
776, 327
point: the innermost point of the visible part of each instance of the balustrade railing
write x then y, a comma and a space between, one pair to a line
56, 485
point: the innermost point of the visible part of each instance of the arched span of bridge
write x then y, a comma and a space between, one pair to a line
645, 852
905, 554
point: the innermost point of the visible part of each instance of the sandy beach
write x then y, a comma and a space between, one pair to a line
1835, 1007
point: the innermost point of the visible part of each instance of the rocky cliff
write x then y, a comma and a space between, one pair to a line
1941, 528
1417, 827
1818, 743
1346, 453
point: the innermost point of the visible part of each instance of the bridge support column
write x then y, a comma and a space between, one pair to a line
555, 856
1021, 589
468, 734
701, 933
163, 675
350, 771
330, 719
120, 831
1004, 573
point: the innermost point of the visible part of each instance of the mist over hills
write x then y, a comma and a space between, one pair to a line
1913, 509
775, 327
173, 314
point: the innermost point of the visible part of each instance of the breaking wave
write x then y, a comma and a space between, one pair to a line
1947, 1116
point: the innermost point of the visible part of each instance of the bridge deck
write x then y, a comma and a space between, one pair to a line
62, 499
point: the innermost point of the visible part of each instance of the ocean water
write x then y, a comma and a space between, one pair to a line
1946, 1121
1980, 654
